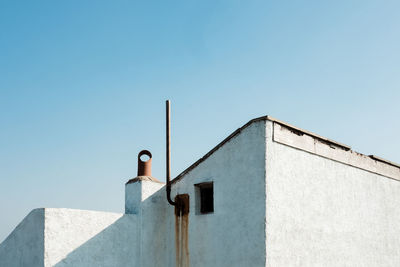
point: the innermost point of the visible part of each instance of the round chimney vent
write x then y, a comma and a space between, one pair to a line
144, 166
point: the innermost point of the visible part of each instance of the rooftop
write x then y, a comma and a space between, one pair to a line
301, 132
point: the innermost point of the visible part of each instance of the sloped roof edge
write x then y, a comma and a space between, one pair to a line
269, 118
216, 148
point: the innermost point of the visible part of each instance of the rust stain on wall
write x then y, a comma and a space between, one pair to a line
182, 230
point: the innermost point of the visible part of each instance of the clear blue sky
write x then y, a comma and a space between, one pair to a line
83, 85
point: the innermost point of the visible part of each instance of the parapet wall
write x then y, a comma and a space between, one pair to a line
291, 136
90, 238
327, 205
67, 237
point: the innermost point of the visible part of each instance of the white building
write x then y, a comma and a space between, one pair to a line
270, 194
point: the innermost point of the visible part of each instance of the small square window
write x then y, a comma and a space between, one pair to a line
205, 198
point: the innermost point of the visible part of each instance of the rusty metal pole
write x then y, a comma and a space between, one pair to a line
168, 154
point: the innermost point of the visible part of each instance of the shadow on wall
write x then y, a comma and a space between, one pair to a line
120, 244
114, 246
25, 245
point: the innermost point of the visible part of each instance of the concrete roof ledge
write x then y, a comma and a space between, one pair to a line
384, 161
299, 131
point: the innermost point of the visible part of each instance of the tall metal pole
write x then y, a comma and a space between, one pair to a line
168, 153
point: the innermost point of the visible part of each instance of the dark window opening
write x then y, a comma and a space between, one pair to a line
206, 197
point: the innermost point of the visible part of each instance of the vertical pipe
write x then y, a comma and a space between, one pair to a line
168, 153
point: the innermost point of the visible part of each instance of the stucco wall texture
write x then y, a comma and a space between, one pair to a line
234, 234
67, 237
282, 197
89, 238
322, 212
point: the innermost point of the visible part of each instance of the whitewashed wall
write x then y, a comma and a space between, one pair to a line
148, 200
90, 238
322, 212
66, 237
234, 234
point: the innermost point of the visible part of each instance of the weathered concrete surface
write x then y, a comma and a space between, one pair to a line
234, 234
90, 238
138, 191
81, 238
146, 199
153, 229
25, 245
321, 212
67, 237
286, 136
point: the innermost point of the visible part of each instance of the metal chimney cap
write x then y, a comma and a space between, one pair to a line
144, 167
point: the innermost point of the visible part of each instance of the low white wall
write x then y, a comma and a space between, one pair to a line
82, 238
25, 245
321, 212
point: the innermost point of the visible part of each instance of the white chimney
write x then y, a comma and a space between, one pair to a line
141, 187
